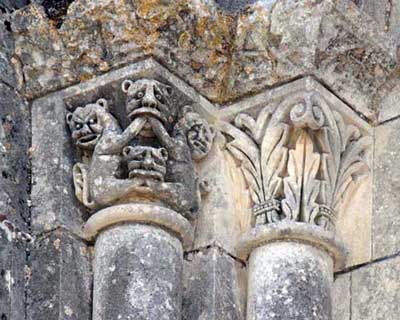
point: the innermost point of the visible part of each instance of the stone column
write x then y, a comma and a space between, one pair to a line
290, 266
138, 262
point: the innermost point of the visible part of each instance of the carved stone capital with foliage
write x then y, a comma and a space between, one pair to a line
299, 159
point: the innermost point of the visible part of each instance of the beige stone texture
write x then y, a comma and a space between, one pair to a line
386, 218
223, 55
376, 291
355, 223
341, 297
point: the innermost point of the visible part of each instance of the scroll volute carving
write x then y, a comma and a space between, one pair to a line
151, 160
299, 159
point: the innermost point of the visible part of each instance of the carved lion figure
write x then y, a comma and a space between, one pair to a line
93, 128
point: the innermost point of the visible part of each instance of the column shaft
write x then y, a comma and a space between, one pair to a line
138, 274
289, 281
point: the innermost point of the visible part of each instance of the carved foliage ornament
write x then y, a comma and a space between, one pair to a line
299, 159
151, 160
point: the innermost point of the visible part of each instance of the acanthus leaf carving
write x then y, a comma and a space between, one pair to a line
299, 159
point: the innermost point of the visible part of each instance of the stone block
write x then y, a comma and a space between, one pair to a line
355, 222
376, 291
223, 216
386, 218
377, 10
341, 297
61, 279
223, 55
14, 162
12, 275
394, 23
6, 51
389, 97
214, 286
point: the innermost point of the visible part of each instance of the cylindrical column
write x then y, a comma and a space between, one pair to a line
138, 262
290, 271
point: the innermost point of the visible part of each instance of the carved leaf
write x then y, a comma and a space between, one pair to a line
245, 150
274, 156
344, 163
353, 167
260, 149
301, 188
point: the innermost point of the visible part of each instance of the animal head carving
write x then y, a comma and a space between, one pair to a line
146, 163
88, 123
149, 98
200, 134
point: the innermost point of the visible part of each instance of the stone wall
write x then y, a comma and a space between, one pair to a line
222, 56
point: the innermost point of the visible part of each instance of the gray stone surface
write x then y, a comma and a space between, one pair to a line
14, 149
290, 281
138, 274
6, 50
386, 190
376, 291
214, 286
14, 188
395, 20
341, 297
60, 278
223, 55
53, 197
12, 275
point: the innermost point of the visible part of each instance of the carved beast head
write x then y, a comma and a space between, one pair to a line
88, 123
149, 98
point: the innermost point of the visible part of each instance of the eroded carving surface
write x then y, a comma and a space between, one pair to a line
151, 160
299, 159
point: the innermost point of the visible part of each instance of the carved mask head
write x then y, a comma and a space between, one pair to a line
148, 98
200, 134
146, 163
87, 123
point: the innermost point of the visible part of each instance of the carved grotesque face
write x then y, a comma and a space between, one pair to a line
148, 98
87, 124
200, 135
146, 163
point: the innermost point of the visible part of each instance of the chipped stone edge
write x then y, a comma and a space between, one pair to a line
293, 232
141, 214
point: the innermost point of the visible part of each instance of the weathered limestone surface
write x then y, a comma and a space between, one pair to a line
14, 151
289, 281
370, 292
223, 55
60, 278
223, 215
341, 297
138, 274
14, 188
386, 219
12, 274
6, 51
214, 286
375, 291
53, 196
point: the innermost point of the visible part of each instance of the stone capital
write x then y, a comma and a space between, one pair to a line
136, 213
296, 232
